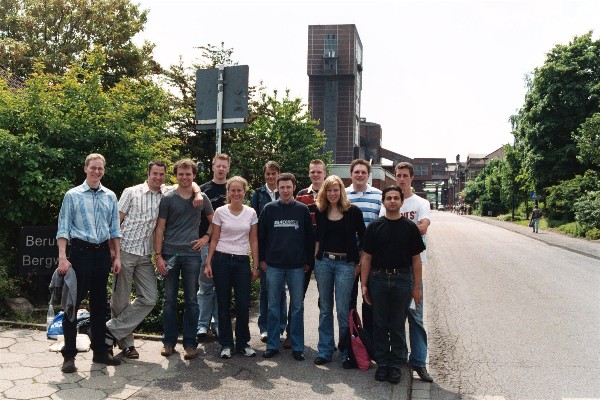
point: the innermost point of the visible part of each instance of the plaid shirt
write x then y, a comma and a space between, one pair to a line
89, 215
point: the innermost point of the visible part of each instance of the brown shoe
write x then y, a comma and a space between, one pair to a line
190, 353
287, 343
166, 350
130, 352
68, 366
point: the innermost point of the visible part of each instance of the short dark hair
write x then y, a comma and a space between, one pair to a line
360, 161
392, 188
186, 163
286, 176
158, 163
271, 165
405, 165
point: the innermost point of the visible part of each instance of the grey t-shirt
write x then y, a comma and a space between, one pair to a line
182, 221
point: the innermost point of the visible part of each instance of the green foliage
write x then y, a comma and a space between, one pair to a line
490, 189
563, 94
587, 210
283, 132
570, 228
48, 128
588, 141
57, 33
561, 198
593, 234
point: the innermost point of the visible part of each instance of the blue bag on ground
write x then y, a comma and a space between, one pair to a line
55, 328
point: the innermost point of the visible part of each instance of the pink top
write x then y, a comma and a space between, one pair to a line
235, 229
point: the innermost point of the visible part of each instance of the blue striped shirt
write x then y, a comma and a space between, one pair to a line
369, 202
89, 215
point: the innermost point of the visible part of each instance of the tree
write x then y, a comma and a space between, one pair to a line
48, 127
59, 32
562, 95
182, 81
588, 141
283, 132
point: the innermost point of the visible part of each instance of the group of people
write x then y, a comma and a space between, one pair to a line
350, 236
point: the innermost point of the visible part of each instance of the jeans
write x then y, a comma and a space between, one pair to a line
390, 295
366, 310
127, 315
207, 301
536, 224
189, 268
276, 279
232, 272
263, 305
91, 267
333, 277
418, 336
307, 275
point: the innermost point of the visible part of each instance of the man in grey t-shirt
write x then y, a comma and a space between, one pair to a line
177, 246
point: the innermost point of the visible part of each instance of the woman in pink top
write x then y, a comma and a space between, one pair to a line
234, 232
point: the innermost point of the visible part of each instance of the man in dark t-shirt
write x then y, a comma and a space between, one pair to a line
216, 192
391, 273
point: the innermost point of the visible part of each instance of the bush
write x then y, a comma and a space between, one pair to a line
587, 210
593, 234
561, 199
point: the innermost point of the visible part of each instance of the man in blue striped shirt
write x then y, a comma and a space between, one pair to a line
89, 218
368, 200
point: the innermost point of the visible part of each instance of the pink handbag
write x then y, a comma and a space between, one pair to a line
363, 360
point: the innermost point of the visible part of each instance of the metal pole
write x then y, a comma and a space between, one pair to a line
219, 126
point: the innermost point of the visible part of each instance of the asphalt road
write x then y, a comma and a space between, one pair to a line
509, 317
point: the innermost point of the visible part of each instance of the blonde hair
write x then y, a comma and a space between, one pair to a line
322, 202
235, 179
94, 156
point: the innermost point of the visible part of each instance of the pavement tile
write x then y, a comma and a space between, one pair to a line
123, 393
129, 369
6, 342
420, 394
55, 376
108, 383
29, 347
12, 358
5, 384
79, 394
29, 391
136, 384
13, 373
41, 360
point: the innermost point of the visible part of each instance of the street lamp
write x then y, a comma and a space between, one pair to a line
451, 183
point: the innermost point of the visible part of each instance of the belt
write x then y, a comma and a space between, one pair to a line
87, 245
334, 257
232, 256
392, 271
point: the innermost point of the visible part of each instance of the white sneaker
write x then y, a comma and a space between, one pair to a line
247, 351
202, 332
226, 352
264, 337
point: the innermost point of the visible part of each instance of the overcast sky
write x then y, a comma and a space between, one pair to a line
440, 77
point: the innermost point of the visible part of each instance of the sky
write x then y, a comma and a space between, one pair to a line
441, 77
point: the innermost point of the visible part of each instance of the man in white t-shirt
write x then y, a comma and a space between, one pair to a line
418, 210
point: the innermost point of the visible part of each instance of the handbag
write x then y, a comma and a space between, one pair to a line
359, 348
531, 223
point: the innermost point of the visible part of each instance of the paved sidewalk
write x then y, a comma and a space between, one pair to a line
29, 371
589, 248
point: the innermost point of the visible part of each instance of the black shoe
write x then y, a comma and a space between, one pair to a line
394, 375
423, 374
68, 366
349, 364
381, 374
298, 355
106, 359
270, 353
130, 352
321, 361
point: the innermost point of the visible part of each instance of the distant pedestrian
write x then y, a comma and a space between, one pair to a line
390, 275
89, 218
234, 231
536, 215
339, 223
286, 249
